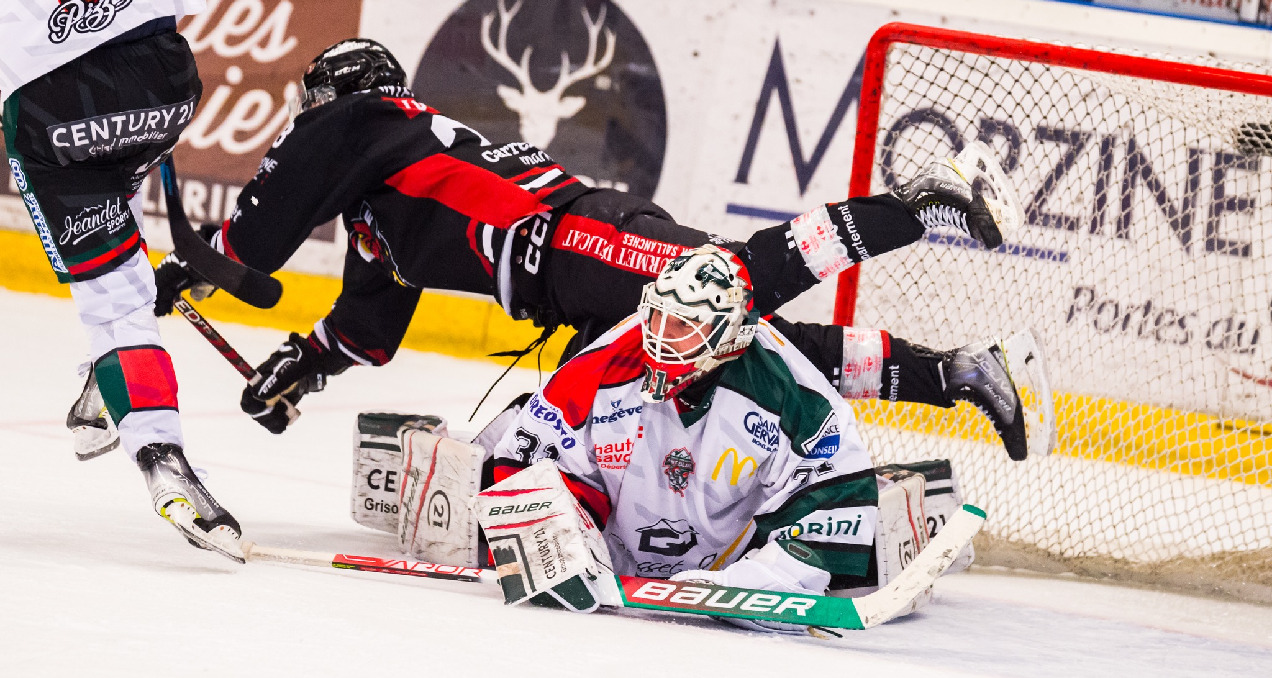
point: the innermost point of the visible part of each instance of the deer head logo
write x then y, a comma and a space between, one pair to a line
540, 112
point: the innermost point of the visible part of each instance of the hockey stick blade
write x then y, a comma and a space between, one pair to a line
708, 599
242, 282
1028, 367
340, 561
932, 562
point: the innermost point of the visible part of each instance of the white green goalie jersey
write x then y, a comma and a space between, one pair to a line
771, 452
37, 36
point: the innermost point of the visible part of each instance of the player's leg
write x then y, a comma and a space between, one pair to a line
866, 363
77, 188
787, 259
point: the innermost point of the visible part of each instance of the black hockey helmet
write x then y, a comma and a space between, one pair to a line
349, 66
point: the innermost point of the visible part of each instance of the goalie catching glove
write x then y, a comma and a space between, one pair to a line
300, 365
771, 568
174, 276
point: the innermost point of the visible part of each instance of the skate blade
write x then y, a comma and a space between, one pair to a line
92, 442
977, 164
1028, 367
221, 539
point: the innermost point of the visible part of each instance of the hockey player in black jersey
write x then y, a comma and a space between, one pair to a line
429, 202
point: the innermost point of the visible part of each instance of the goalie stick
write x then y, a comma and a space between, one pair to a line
190, 313
242, 282
706, 599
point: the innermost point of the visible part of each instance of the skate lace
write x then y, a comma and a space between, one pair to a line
943, 215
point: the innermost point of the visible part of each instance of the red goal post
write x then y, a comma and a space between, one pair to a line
1145, 265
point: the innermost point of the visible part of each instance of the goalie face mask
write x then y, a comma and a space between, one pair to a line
694, 316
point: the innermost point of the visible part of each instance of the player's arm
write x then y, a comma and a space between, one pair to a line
365, 327
314, 168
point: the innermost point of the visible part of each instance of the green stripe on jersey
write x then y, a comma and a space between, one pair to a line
763, 376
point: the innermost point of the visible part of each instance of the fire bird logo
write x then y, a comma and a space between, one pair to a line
571, 77
678, 465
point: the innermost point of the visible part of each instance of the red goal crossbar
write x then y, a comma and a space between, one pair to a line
1020, 50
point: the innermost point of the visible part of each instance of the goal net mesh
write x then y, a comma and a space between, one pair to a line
1144, 266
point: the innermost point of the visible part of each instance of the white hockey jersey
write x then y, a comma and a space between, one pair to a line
37, 36
771, 452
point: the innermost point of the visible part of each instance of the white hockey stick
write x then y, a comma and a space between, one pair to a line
1028, 368
708, 599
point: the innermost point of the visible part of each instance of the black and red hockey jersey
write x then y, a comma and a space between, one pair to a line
427, 203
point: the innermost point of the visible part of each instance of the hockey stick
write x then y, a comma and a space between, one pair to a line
247, 284
223, 347
708, 599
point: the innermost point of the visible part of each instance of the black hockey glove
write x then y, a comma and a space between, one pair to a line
300, 365
174, 276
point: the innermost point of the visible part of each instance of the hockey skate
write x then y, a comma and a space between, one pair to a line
90, 423
968, 192
978, 374
182, 500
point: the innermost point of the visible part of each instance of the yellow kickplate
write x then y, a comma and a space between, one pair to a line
164, 511
1104, 429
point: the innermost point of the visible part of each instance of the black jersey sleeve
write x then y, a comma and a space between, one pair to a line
370, 317
310, 173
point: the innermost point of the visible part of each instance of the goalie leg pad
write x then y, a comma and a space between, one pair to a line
440, 478
545, 547
377, 465
942, 499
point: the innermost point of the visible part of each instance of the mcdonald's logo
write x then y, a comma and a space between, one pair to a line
737, 466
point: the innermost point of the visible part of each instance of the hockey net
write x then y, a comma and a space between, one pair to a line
1144, 266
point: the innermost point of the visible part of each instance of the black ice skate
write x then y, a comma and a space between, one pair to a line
182, 500
968, 192
978, 374
90, 423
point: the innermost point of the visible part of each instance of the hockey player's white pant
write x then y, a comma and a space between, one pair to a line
134, 371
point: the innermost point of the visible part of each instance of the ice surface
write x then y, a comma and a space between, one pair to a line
94, 584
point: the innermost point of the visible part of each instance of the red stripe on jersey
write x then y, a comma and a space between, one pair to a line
533, 171
887, 343
573, 388
591, 499
152, 383
225, 242
602, 241
468, 189
501, 472
545, 192
475, 246
105, 256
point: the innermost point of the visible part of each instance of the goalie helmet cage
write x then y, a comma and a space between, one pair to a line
1145, 266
